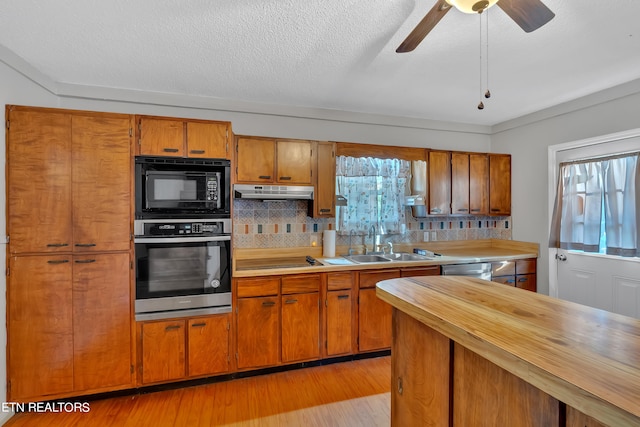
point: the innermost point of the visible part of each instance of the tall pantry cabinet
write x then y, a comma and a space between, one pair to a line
69, 327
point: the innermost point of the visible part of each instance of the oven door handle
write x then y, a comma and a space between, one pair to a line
181, 239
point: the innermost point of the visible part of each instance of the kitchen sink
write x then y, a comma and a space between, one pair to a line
405, 256
398, 256
366, 258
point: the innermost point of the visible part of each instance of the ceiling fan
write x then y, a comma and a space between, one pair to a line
528, 14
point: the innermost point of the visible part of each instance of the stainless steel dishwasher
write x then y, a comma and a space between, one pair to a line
481, 270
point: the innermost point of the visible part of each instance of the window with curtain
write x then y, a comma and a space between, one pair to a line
375, 191
597, 207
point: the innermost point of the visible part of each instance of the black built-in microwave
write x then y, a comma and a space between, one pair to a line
169, 187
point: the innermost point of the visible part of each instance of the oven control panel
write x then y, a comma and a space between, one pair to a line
181, 228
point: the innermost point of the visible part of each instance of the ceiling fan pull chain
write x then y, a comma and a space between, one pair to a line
487, 94
481, 104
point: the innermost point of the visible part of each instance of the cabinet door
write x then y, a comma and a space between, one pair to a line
163, 351
325, 196
293, 163
255, 160
500, 184
39, 182
374, 322
257, 332
101, 321
40, 328
478, 184
459, 183
339, 307
208, 140
208, 339
161, 137
439, 182
300, 327
101, 183
526, 282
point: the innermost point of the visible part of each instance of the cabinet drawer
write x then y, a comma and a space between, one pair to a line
526, 266
505, 280
338, 281
527, 282
258, 287
434, 270
369, 279
300, 284
503, 268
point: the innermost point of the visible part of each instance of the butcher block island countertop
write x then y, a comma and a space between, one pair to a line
509, 357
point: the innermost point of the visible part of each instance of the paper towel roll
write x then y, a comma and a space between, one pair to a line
329, 243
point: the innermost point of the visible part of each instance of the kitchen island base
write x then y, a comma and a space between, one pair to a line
465, 353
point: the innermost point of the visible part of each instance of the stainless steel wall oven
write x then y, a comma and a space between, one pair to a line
183, 267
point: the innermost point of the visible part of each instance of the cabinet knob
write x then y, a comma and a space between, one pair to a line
325, 210
85, 245
265, 177
343, 296
285, 178
172, 328
170, 150
291, 301
57, 261
400, 387
199, 325
268, 303
196, 151
84, 261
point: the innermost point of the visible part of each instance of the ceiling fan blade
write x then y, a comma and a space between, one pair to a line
528, 14
422, 29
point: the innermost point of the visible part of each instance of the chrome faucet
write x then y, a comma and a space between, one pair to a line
350, 251
374, 236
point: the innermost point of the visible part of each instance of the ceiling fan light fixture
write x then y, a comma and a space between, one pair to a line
472, 6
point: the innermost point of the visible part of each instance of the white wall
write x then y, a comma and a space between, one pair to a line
528, 145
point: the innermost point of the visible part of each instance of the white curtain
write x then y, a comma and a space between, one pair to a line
621, 205
597, 206
375, 191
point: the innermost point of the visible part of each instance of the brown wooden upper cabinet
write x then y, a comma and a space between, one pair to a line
460, 183
164, 136
500, 184
274, 161
324, 202
69, 181
439, 165
478, 184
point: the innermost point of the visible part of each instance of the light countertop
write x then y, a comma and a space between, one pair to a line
245, 261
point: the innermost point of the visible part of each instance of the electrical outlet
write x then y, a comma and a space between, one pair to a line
425, 236
434, 236
313, 240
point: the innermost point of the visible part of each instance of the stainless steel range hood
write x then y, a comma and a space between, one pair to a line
273, 192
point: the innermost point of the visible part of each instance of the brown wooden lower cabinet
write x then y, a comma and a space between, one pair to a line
300, 327
163, 351
69, 323
340, 311
208, 345
374, 315
258, 325
178, 349
520, 273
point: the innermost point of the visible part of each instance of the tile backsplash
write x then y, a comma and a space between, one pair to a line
279, 224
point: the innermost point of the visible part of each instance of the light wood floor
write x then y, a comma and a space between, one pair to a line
352, 393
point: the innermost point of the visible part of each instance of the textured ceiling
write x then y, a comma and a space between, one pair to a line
328, 54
